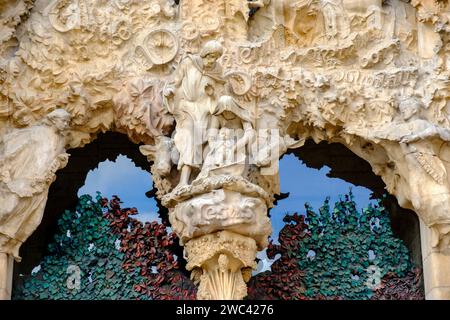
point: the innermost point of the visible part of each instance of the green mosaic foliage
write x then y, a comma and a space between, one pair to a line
353, 251
339, 254
329, 254
84, 242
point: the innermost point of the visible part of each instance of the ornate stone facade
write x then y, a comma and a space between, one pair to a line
216, 91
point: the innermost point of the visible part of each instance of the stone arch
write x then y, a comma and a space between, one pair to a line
374, 80
346, 165
63, 192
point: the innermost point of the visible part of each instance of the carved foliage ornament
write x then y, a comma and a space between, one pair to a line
357, 73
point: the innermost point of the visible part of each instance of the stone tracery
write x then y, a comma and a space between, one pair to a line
370, 75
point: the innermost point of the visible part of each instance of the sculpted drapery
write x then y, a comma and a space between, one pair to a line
195, 90
29, 159
349, 72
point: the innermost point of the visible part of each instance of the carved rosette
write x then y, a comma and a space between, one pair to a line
221, 264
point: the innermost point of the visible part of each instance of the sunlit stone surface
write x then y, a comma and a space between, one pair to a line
216, 95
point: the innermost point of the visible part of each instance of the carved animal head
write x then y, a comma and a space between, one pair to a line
161, 154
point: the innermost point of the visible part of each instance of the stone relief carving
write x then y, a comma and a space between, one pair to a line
29, 159
12, 13
222, 210
231, 132
191, 96
159, 47
139, 110
371, 75
221, 263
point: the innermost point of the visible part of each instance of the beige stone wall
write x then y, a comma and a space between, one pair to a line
372, 76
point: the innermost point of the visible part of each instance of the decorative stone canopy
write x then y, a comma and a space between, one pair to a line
216, 91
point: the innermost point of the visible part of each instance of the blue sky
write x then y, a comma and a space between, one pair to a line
130, 183
313, 186
124, 179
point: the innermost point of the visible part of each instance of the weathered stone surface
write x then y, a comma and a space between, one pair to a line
6, 270
264, 76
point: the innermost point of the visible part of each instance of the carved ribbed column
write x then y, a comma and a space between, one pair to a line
221, 263
222, 223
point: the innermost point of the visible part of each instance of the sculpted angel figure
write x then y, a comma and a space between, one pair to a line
419, 141
413, 133
190, 97
409, 127
29, 158
416, 138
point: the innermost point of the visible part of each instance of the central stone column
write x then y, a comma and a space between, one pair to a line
221, 264
222, 222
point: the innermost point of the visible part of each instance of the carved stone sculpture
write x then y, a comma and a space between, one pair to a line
221, 263
266, 75
194, 94
29, 159
229, 136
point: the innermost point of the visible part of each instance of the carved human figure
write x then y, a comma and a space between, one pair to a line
419, 143
302, 17
191, 96
409, 126
229, 136
417, 162
413, 133
29, 158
